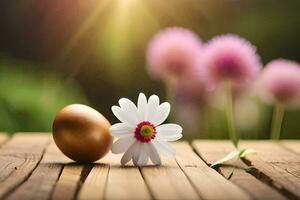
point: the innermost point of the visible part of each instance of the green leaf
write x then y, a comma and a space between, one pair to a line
229, 156
245, 152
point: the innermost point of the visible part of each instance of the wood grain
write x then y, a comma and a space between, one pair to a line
292, 145
208, 182
43, 179
94, 185
276, 165
168, 181
68, 182
211, 151
18, 158
25, 173
124, 182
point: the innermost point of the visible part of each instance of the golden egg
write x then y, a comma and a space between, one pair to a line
82, 133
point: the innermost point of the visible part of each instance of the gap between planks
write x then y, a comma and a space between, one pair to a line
129, 182
46, 182
95, 183
208, 182
103, 179
168, 181
211, 151
158, 180
68, 182
56, 177
120, 182
276, 165
43, 179
18, 158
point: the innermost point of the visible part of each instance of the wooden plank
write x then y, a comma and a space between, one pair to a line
18, 158
129, 179
209, 183
94, 185
277, 165
43, 179
168, 181
292, 145
211, 151
124, 182
69, 180
3, 138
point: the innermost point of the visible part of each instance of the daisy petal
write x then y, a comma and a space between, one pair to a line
142, 106
120, 130
136, 154
164, 148
129, 108
123, 116
143, 158
169, 132
152, 106
128, 154
161, 114
122, 144
153, 154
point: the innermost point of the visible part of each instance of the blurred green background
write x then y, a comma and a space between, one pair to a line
57, 52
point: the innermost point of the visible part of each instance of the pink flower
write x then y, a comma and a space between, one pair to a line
280, 83
229, 57
173, 52
191, 90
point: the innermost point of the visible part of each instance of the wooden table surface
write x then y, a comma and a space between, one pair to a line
31, 167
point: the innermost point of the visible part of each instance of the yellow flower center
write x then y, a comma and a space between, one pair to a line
146, 131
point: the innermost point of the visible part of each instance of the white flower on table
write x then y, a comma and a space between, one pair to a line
141, 135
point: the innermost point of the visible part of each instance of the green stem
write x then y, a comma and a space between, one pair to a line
229, 115
277, 119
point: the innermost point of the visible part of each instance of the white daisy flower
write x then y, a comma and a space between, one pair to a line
141, 135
